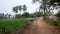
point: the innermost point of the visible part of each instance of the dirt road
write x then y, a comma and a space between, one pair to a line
39, 27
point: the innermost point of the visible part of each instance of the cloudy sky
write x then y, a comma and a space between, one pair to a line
7, 5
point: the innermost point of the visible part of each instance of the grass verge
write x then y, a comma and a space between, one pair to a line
54, 23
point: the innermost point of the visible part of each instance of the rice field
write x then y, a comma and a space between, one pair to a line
13, 24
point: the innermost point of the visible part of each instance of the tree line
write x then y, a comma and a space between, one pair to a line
16, 9
19, 8
46, 6
5, 16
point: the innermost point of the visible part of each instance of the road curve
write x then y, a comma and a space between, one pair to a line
38, 27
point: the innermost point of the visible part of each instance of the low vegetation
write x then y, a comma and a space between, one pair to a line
55, 23
11, 25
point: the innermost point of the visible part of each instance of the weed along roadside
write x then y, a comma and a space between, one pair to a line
55, 23
8, 26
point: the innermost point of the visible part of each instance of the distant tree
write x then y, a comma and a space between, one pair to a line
15, 9
44, 6
49, 11
5, 16
58, 14
2, 16
18, 15
9, 15
20, 8
26, 14
24, 8
34, 1
38, 14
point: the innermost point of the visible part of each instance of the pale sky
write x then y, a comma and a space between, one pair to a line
7, 5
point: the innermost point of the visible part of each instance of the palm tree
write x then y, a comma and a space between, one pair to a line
20, 8
24, 8
15, 9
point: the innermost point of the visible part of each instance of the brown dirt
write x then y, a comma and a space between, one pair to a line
39, 26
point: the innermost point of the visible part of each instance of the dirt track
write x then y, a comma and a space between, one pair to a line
39, 27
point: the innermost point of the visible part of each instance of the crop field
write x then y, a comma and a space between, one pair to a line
13, 24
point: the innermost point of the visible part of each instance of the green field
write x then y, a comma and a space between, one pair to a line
14, 24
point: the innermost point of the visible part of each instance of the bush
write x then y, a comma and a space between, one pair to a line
58, 14
57, 23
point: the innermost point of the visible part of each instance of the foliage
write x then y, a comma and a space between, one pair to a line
20, 7
57, 22
4, 16
13, 24
34, 1
26, 14
58, 14
38, 14
44, 5
24, 8
52, 2
18, 16
47, 4
1, 16
48, 20
15, 9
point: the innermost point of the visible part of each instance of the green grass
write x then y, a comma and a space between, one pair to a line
13, 24
55, 23
48, 20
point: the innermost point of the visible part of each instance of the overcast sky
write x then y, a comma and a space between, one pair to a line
7, 5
